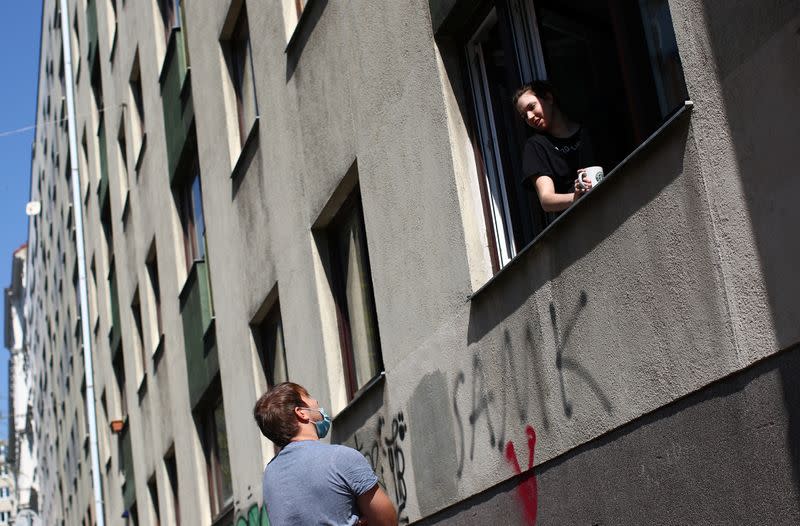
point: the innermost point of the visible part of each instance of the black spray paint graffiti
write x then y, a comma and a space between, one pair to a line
385, 455
521, 374
569, 364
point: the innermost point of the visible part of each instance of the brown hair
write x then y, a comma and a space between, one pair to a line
274, 412
540, 88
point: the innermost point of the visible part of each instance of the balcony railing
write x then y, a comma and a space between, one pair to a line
202, 362
176, 98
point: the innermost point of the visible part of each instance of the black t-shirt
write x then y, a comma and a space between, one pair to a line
556, 158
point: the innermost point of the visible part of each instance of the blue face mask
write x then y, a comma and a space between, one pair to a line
324, 425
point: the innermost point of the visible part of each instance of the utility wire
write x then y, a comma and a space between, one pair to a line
24, 129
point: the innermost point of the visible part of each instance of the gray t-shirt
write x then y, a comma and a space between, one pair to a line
310, 482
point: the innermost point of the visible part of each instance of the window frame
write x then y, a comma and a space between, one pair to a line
351, 208
522, 36
208, 426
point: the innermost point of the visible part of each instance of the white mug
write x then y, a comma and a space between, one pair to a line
592, 173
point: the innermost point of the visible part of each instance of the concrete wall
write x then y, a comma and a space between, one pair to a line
672, 275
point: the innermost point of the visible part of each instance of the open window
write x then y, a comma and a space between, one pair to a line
615, 70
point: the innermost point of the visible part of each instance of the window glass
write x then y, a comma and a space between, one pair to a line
615, 71
271, 349
351, 285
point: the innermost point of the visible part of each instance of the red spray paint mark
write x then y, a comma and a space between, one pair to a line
527, 490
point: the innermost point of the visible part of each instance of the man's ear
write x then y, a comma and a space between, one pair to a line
298, 412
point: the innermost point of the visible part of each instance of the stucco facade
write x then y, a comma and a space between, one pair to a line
660, 307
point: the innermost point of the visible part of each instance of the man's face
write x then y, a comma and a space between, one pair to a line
536, 111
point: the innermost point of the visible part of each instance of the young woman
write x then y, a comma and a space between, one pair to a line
553, 157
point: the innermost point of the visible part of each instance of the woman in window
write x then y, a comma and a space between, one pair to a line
555, 155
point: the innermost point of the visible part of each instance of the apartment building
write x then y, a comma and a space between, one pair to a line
20, 460
8, 501
328, 191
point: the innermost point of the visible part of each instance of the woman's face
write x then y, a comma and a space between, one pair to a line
536, 111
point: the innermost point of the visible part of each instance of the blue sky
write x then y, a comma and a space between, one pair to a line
20, 29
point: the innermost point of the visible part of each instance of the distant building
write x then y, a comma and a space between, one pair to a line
8, 499
21, 437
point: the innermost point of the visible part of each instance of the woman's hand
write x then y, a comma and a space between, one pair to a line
582, 184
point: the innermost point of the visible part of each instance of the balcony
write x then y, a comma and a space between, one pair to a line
91, 29
176, 98
202, 362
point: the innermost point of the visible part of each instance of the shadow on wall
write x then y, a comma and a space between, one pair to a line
570, 240
756, 46
303, 31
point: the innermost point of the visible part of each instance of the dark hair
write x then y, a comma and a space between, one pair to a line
274, 412
539, 88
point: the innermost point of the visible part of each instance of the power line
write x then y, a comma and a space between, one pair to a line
24, 129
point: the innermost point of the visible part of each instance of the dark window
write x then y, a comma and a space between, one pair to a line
211, 420
268, 335
122, 143
615, 69
172, 476
119, 376
152, 489
189, 197
351, 285
155, 287
136, 311
238, 56
137, 109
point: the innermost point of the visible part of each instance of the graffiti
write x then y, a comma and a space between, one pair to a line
385, 455
255, 516
565, 363
527, 490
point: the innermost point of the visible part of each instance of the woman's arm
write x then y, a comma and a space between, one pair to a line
550, 200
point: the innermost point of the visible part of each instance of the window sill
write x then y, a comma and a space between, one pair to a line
681, 112
248, 147
224, 516
301, 22
376, 380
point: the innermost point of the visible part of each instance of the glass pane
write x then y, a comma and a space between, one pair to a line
199, 221
226, 486
664, 58
277, 353
360, 303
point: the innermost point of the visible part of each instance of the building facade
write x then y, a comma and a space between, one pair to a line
8, 499
328, 191
21, 454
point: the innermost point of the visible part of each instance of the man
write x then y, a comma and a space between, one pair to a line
310, 482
